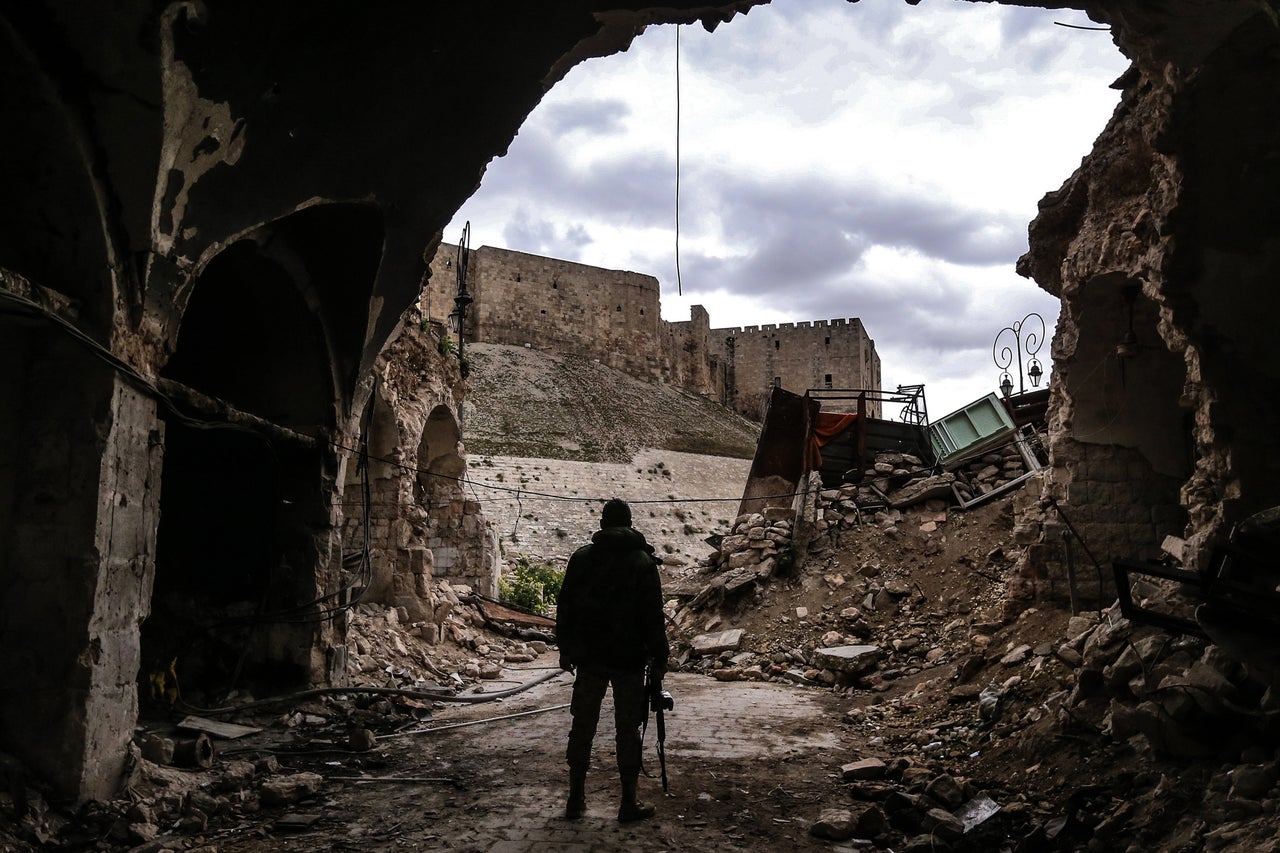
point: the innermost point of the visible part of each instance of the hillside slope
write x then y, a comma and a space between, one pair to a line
528, 403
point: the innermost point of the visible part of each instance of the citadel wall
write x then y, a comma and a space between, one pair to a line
798, 356
614, 317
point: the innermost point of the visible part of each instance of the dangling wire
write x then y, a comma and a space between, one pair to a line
679, 286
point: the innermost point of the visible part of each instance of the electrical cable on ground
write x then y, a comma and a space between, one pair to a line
475, 722
420, 694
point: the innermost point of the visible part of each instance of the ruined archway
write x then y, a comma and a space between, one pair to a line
462, 544
371, 503
268, 347
440, 463
1183, 205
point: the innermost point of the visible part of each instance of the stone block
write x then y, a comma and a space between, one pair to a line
922, 490
848, 659
720, 641
866, 768
290, 789
942, 824
834, 825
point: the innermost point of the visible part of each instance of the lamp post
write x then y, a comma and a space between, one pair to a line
1026, 341
458, 317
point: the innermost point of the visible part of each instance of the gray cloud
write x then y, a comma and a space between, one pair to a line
540, 236
867, 214
603, 117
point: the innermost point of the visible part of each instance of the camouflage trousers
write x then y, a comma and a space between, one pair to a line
629, 711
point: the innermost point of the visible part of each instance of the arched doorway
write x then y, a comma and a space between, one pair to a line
267, 350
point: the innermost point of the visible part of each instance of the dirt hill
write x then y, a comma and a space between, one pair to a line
528, 403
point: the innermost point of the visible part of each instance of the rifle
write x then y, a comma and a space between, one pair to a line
659, 702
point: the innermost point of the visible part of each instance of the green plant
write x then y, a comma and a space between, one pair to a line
531, 585
447, 346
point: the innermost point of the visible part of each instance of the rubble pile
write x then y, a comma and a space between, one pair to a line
1073, 714
903, 805
460, 649
894, 479
758, 546
988, 472
872, 625
273, 776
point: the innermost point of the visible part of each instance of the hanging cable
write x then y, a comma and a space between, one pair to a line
679, 286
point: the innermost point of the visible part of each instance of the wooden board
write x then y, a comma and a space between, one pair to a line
227, 731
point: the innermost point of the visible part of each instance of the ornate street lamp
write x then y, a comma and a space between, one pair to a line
1025, 341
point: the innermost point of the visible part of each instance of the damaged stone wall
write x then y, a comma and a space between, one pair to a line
420, 525
1162, 249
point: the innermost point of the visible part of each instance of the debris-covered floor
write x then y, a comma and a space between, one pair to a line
973, 731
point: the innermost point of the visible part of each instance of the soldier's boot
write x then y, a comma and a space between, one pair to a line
576, 806
631, 808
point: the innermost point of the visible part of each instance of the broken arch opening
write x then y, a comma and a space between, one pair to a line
440, 465
381, 508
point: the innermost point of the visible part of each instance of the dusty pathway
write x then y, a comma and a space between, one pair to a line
750, 767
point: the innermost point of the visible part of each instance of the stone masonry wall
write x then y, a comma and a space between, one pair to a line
614, 317
802, 356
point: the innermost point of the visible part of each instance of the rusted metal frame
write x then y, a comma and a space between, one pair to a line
1123, 568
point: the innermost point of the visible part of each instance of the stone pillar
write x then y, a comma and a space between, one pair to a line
78, 565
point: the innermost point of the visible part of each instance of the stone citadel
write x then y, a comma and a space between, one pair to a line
615, 317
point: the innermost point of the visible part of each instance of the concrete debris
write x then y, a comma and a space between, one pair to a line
851, 660
721, 641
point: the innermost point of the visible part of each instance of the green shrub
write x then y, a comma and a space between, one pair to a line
531, 586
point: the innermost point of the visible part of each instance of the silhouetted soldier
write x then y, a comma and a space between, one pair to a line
610, 625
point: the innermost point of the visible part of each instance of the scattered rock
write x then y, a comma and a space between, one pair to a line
281, 790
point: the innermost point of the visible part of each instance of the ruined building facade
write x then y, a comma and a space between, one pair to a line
614, 317
202, 259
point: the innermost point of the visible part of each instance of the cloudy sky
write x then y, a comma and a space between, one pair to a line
872, 159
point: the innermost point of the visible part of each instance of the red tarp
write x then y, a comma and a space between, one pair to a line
826, 426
